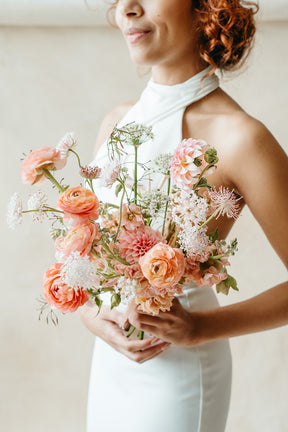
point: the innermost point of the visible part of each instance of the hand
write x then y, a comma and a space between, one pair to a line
108, 324
178, 326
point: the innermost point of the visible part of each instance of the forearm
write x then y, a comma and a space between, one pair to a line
265, 311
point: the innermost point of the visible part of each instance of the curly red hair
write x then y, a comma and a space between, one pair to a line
226, 31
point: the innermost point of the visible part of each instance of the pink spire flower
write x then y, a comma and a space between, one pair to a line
224, 202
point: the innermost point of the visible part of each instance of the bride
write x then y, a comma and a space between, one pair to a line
180, 378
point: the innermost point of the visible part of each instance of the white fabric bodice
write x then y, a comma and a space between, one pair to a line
162, 107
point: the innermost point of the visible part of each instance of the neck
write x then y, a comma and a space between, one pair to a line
172, 74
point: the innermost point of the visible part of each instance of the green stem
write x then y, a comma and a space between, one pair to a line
166, 207
201, 175
121, 212
50, 177
130, 332
135, 174
76, 154
209, 219
140, 334
117, 258
175, 236
90, 182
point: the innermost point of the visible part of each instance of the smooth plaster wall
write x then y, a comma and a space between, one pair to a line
53, 80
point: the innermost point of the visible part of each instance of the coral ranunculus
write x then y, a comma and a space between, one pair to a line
36, 161
59, 295
79, 239
79, 204
163, 265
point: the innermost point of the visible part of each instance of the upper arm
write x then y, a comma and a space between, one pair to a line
109, 122
258, 168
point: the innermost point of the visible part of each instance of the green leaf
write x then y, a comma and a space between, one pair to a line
211, 156
197, 162
213, 236
98, 303
118, 189
115, 300
202, 182
226, 284
231, 282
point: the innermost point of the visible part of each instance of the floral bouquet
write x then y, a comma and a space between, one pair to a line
148, 243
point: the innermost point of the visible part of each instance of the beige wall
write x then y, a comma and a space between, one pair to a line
53, 80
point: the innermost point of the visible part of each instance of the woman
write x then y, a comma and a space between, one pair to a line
180, 379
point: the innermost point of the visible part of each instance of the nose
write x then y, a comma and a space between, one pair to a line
130, 8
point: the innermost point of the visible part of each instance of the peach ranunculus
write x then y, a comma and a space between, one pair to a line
79, 204
184, 171
154, 305
78, 239
44, 157
163, 265
59, 295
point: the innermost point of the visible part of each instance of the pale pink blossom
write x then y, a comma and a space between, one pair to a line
68, 141
110, 173
133, 244
184, 172
225, 202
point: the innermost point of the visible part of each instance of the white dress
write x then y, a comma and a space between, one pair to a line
182, 389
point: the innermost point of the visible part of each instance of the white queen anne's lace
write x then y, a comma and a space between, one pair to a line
37, 202
14, 211
127, 289
79, 272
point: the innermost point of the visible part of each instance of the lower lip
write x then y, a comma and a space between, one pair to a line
136, 37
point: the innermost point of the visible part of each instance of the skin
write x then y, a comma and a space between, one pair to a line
248, 155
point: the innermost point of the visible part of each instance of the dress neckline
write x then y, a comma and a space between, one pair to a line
160, 100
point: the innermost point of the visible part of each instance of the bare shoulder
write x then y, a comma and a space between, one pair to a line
110, 121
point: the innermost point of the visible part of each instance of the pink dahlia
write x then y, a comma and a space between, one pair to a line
135, 243
184, 170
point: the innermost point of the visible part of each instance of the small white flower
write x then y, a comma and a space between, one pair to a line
162, 163
135, 134
154, 201
127, 289
189, 206
14, 211
79, 272
192, 240
37, 202
68, 141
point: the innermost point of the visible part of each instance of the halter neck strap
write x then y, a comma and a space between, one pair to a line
159, 101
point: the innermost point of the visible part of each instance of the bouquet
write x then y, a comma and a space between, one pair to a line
146, 244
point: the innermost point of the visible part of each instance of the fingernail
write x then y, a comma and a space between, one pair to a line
164, 347
154, 340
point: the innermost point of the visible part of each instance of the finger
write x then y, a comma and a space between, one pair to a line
140, 345
142, 356
157, 354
